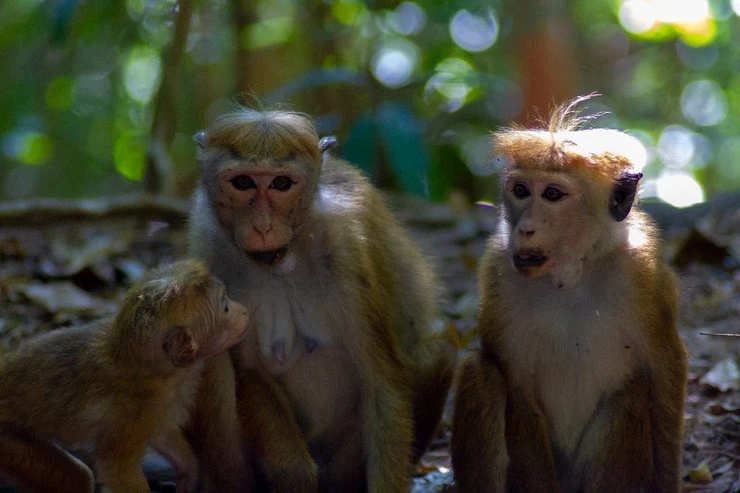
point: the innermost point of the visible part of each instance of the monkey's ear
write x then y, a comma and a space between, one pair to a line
327, 143
200, 138
180, 347
623, 195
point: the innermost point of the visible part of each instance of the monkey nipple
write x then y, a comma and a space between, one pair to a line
278, 351
311, 344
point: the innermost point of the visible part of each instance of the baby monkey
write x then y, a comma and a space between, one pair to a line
115, 386
580, 382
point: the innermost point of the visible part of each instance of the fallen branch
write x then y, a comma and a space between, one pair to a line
35, 212
718, 335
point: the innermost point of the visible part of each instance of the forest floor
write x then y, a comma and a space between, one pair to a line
69, 272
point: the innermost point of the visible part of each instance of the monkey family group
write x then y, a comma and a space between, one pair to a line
293, 352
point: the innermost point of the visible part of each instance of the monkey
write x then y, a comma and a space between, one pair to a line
580, 380
340, 384
114, 386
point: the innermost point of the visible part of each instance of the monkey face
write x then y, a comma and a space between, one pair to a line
261, 204
230, 325
550, 232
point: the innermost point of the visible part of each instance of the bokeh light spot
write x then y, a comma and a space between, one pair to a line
141, 74
472, 32
453, 82
675, 146
679, 189
408, 18
636, 16
736, 7
690, 19
394, 63
704, 103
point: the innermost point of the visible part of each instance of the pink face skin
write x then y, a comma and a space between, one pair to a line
548, 221
261, 204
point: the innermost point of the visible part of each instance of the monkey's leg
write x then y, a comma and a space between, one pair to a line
40, 467
616, 451
346, 469
434, 371
214, 430
479, 456
668, 376
173, 446
270, 427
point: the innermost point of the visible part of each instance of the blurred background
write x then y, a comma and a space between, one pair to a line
103, 97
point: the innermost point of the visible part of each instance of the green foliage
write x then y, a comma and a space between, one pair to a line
412, 89
396, 133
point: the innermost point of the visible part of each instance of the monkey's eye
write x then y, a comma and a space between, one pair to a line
243, 182
552, 194
520, 191
281, 183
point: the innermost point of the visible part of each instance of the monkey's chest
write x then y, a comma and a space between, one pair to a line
307, 324
571, 361
325, 390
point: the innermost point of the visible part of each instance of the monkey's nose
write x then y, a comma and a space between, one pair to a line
262, 228
525, 227
526, 231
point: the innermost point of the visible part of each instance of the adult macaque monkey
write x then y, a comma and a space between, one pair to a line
115, 386
580, 382
339, 387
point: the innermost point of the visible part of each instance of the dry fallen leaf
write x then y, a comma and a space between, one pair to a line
701, 473
724, 376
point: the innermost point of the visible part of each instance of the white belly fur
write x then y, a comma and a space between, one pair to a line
572, 347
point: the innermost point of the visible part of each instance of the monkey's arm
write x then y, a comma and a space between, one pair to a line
213, 430
270, 427
119, 452
38, 465
615, 453
479, 455
172, 445
387, 423
668, 389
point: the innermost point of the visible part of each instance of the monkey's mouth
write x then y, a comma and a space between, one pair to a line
523, 261
269, 257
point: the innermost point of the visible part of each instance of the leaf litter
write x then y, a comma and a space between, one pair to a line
67, 274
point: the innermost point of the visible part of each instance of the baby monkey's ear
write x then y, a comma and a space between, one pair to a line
180, 347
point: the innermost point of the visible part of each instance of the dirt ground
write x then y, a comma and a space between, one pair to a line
68, 273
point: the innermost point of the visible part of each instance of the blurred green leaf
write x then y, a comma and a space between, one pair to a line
35, 148
130, 157
403, 142
360, 147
